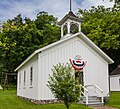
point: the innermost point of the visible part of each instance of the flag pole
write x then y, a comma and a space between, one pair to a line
70, 6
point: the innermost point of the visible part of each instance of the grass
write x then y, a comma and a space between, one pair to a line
9, 100
114, 100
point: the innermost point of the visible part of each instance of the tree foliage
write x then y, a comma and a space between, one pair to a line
101, 25
20, 37
62, 84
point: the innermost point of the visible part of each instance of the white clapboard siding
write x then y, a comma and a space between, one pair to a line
115, 83
27, 90
95, 72
96, 69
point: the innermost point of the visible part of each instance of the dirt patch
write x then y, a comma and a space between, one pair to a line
103, 107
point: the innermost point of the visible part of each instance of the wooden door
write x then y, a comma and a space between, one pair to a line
79, 77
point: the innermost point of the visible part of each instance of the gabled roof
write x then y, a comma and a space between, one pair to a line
116, 71
81, 36
71, 16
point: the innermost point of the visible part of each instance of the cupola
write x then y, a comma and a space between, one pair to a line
70, 24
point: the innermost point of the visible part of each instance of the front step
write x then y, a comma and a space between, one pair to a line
95, 104
92, 101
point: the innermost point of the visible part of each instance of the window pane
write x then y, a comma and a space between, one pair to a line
19, 80
31, 76
24, 77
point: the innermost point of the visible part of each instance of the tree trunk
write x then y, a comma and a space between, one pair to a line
67, 105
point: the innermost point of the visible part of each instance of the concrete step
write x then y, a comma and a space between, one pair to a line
95, 104
92, 100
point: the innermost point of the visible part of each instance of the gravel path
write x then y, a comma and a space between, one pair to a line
104, 107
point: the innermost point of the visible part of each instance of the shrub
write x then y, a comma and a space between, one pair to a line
62, 84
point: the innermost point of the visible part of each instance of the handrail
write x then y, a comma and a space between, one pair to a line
95, 86
98, 88
85, 94
99, 93
84, 88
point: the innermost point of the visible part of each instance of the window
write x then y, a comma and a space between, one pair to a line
119, 82
19, 80
24, 80
31, 76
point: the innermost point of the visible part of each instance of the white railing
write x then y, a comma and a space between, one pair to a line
96, 89
85, 92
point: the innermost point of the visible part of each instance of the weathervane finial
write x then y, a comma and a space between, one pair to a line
70, 6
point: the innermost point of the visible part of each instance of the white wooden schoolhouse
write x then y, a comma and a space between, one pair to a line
33, 73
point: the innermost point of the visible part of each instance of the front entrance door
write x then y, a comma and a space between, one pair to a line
79, 77
81, 80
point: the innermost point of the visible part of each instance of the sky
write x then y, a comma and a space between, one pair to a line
58, 8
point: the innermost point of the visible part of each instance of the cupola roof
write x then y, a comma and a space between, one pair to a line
70, 16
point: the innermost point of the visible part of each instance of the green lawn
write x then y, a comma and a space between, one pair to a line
114, 100
9, 100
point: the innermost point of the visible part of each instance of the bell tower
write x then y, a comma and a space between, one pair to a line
70, 24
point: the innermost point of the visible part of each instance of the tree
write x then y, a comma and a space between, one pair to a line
116, 1
47, 26
20, 37
62, 84
16, 42
101, 25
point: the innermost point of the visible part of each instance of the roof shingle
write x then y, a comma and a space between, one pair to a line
116, 71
